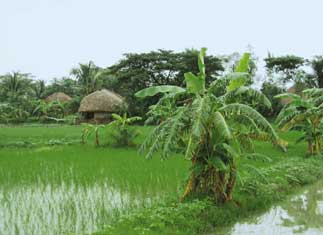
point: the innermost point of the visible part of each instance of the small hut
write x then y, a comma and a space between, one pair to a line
293, 90
58, 96
98, 106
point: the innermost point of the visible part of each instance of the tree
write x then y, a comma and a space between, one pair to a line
39, 89
16, 85
304, 113
66, 85
122, 133
87, 76
88, 130
317, 65
287, 67
233, 59
206, 130
138, 71
270, 90
54, 109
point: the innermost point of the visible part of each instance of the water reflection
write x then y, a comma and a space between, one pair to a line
302, 214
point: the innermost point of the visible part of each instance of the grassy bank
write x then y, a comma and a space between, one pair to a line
115, 190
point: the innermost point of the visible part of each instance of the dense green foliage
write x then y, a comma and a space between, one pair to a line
212, 131
304, 113
288, 66
317, 65
139, 71
20, 93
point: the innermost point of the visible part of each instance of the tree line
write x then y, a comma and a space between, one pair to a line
21, 94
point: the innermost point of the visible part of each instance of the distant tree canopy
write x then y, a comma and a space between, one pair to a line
286, 66
22, 92
232, 61
15, 85
138, 71
66, 85
87, 76
270, 90
317, 66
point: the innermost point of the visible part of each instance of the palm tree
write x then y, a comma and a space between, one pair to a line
39, 88
304, 113
317, 65
205, 128
15, 85
88, 77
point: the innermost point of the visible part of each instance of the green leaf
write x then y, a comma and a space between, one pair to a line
201, 64
194, 84
218, 164
237, 79
243, 64
221, 127
154, 90
288, 95
116, 117
248, 92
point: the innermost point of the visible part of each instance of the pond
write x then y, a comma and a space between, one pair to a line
301, 214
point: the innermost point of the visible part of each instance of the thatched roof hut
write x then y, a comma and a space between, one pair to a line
101, 101
97, 106
293, 90
58, 96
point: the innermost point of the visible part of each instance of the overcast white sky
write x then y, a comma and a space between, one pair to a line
49, 37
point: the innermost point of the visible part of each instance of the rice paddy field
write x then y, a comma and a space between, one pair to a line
51, 184
73, 189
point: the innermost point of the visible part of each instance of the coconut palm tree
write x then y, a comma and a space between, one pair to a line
39, 88
317, 66
15, 85
304, 113
205, 128
88, 77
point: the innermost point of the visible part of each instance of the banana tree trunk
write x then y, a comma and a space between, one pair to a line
231, 183
317, 145
309, 147
191, 185
97, 142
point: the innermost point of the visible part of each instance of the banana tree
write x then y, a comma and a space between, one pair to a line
304, 113
46, 110
88, 130
122, 133
204, 128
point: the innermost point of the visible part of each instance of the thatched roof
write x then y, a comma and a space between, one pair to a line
58, 96
294, 90
101, 101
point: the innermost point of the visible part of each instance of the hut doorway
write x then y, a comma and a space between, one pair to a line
89, 115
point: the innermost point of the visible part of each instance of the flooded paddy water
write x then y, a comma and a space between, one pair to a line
301, 214
78, 190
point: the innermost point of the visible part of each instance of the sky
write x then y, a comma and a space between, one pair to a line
49, 37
